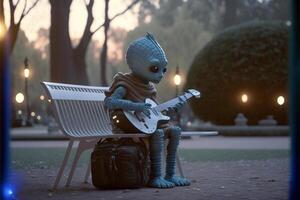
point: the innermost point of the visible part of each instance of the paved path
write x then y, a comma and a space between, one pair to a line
214, 142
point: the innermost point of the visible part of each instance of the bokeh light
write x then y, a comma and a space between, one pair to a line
177, 79
26, 73
244, 98
19, 97
32, 114
280, 100
42, 97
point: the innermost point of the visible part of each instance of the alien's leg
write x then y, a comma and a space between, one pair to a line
156, 148
173, 133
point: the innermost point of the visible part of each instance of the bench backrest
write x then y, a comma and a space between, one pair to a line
79, 109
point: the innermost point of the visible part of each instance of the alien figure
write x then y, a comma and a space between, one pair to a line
147, 62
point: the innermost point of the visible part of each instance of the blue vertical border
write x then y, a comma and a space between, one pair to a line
6, 192
294, 101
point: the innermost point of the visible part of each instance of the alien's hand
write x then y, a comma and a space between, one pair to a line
143, 107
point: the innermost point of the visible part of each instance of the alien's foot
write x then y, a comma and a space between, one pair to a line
178, 181
160, 182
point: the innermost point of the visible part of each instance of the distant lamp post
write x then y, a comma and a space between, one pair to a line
26, 75
19, 121
177, 80
280, 100
244, 98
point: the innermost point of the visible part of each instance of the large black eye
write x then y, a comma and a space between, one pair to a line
164, 70
154, 69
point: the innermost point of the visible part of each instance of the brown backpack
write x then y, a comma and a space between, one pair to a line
121, 163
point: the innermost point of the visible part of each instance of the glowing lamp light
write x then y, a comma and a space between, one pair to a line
244, 98
26, 72
39, 117
32, 114
19, 112
177, 79
42, 97
280, 100
19, 97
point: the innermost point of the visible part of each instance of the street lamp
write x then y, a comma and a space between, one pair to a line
177, 80
26, 75
19, 118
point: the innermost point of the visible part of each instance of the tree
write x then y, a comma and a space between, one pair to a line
67, 62
239, 11
106, 25
11, 32
250, 58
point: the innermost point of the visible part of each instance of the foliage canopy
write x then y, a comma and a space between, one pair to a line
250, 58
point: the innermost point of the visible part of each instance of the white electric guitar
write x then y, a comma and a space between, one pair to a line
148, 124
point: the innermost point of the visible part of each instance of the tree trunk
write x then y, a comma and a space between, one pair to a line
80, 66
61, 52
11, 36
103, 57
230, 15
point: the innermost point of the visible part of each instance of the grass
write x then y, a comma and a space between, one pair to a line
26, 158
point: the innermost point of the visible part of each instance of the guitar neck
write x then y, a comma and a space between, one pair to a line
173, 102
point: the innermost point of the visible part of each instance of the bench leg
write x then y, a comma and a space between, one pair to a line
63, 165
88, 172
74, 163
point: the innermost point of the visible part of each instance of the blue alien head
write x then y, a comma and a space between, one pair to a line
147, 59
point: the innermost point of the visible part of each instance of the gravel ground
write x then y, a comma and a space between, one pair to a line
232, 180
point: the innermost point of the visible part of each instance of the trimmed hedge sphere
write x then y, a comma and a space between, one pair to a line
250, 59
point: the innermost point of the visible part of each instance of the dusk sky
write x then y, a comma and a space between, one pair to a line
39, 17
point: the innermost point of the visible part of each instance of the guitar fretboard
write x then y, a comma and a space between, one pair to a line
172, 102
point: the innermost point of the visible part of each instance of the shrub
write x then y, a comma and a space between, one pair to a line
250, 58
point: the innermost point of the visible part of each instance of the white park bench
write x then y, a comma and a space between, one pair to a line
80, 113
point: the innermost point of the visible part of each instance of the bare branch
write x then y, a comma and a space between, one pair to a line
124, 11
117, 15
17, 3
24, 13
87, 34
12, 8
